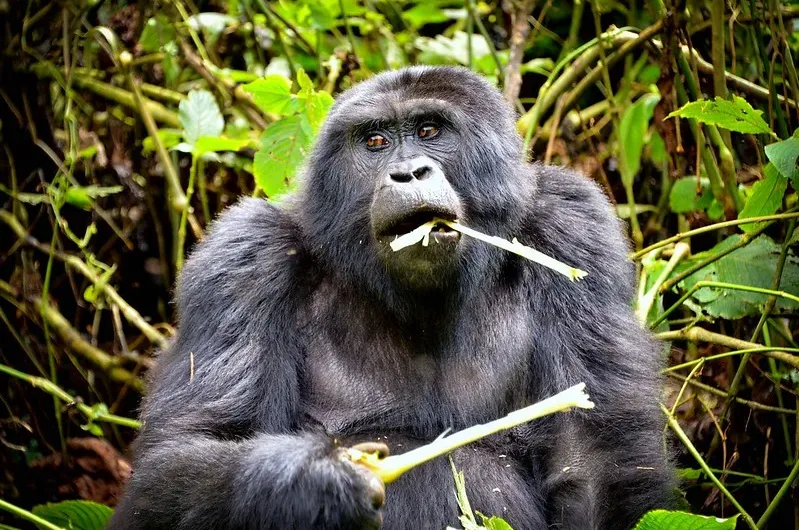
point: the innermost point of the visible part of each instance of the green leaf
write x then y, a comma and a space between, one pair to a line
207, 144
320, 16
766, 197
666, 520
184, 147
687, 473
424, 13
632, 134
170, 64
736, 115
75, 515
93, 429
689, 194
657, 149
157, 32
784, 156
753, 265
716, 210
653, 268
445, 50
649, 75
284, 145
81, 196
273, 94
168, 137
495, 523
306, 85
314, 104
199, 115
467, 519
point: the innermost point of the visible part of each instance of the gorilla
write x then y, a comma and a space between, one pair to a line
301, 333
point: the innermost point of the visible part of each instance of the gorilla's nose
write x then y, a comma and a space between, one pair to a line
418, 168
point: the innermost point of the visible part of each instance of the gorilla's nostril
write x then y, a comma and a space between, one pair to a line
401, 176
422, 172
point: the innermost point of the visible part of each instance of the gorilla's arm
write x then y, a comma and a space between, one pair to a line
217, 449
608, 465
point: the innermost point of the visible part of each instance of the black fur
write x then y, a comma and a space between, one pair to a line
303, 340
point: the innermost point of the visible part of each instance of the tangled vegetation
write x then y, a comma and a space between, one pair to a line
127, 126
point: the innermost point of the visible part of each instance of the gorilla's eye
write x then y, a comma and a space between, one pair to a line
376, 141
427, 130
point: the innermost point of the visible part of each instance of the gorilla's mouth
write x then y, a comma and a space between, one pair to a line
416, 219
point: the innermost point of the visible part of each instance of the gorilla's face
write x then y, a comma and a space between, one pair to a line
400, 150
408, 158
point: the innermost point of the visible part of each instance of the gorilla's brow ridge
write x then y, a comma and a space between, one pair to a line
380, 115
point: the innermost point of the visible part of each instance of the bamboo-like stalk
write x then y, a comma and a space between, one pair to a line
390, 468
422, 233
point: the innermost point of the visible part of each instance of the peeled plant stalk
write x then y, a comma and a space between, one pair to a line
392, 467
422, 233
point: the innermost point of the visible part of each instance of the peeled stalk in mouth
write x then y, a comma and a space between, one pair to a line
422, 233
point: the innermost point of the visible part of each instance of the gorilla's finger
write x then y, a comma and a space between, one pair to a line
373, 447
377, 492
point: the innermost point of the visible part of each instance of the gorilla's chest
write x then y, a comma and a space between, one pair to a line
367, 375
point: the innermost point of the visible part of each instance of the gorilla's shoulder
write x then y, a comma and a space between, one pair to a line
251, 250
573, 220
564, 188
249, 219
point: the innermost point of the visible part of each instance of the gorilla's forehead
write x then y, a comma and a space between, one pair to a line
454, 93
397, 108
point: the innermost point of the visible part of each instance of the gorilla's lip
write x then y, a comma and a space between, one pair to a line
417, 218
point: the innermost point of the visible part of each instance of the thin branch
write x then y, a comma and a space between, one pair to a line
712, 390
769, 306
226, 87
72, 340
131, 315
784, 11
520, 29
56, 391
699, 460
625, 41
268, 9
742, 242
28, 516
710, 228
179, 201
698, 334
125, 98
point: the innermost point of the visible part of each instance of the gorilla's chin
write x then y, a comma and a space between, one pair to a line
423, 268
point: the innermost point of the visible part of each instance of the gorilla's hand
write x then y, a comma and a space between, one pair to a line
307, 481
359, 492
268, 482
